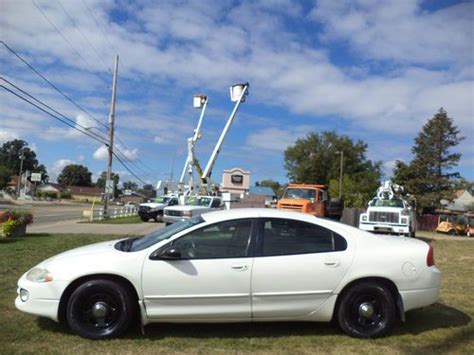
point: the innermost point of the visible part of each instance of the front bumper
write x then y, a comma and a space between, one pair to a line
43, 298
385, 228
173, 219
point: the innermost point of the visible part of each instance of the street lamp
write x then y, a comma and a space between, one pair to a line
21, 168
340, 172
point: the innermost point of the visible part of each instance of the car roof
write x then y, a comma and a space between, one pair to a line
236, 213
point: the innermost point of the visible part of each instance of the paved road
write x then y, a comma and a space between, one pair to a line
50, 213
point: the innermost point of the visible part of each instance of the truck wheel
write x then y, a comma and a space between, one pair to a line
144, 219
158, 217
452, 232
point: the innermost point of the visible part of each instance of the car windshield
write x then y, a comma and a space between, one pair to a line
198, 201
305, 194
395, 202
162, 199
136, 244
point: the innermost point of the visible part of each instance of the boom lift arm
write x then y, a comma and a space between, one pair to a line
238, 93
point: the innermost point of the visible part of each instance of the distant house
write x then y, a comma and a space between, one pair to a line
85, 193
461, 201
263, 191
51, 188
134, 197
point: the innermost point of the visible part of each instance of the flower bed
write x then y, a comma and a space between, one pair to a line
13, 223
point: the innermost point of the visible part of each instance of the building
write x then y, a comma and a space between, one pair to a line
85, 193
236, 181
462, 199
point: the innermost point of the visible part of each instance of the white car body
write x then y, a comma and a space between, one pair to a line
296, 287
173, 214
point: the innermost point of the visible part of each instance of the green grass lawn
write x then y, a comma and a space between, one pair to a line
444, 327
119, 220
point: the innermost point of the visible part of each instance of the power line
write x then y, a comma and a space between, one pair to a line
50, 108
128, 169
82, 34
52, 85
52, 115
62, 35
66, 122
104, 35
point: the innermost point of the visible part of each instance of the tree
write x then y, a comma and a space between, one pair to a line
114, 177
316, 159
274, 185
75, 175
130, 185
10, 158
5, 177
430, 176
148, 191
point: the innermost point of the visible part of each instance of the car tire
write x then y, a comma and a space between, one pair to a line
144, 219
100, 309
452, 232
158, 217
366, 310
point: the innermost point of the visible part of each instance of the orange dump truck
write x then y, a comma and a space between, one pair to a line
312, 199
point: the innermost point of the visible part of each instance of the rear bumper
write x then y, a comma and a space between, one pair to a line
422, 297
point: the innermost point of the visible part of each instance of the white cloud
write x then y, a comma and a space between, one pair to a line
400, 30
102, 153
7, 135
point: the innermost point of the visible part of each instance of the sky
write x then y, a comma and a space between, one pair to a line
371, 69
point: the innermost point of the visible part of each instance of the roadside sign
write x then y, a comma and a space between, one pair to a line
35, 176
127, 192
109, 187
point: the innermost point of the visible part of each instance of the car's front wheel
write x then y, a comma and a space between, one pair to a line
367, 310
100, 309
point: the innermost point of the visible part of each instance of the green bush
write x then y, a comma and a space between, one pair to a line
65, 195
11, 220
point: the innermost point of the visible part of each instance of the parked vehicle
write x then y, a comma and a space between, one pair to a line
195, 205
312, 199
470, 224
154, 210
389, 212
452, 223
236, 265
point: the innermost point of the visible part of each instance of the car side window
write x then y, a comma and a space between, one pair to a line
216, 203
229, 239
286, 237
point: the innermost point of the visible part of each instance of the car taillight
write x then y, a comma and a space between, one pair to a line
430, 257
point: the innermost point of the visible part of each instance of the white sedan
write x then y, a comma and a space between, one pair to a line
236, 266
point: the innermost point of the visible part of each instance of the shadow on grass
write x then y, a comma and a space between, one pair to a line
20, 239
418, 321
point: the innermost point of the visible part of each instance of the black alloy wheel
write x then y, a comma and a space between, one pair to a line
100, 309
367, 310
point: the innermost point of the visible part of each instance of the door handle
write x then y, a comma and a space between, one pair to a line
240, 267
332, 263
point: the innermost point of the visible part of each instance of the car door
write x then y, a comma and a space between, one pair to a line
297, 266
211, 278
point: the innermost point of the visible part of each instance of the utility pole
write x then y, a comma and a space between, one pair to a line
340, 173
109, 186
19, 175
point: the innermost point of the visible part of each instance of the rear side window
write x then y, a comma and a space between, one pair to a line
287, 237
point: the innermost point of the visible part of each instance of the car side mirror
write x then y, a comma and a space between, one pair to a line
169, 253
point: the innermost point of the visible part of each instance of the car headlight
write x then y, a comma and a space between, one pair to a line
364, 218
39, 274
404, 220
187, 214
405, 213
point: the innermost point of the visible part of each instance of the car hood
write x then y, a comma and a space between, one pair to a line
88, 251
188, 208
152, 205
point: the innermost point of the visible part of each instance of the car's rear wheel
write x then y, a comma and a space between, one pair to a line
100, 309
366, 310
158, 217
144, 219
